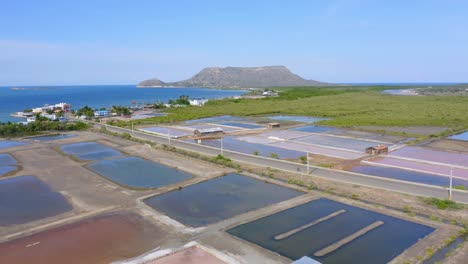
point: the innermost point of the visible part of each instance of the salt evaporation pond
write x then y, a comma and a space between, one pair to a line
218, 199
419, 166
462, 136
447, 157
338, 142
215, 119
53, 137
7, 164
319, 150
26, 198
372, 247
232, 144
240, 125
300, 119
89, 151
407, 175
11, 144
134, 172
314, 129
166, 131
100, 239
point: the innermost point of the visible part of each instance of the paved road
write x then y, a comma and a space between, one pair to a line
336, 175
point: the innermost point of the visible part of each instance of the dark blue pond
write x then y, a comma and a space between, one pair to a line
218, 199
53, 137
241, 125
379, 245
407, 175
10, 144
90, 151
138, 173
314, 129
26, 198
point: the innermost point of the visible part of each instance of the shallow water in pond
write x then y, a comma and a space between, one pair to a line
314, 129
100, 239
90, 151
6, 160
136, 172
372, 247
241, 125
301, 119
53, 137
407, 175
218, 199
462, 136
215, 119
10, 144
26, 198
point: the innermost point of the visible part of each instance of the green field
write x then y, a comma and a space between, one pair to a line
348, 106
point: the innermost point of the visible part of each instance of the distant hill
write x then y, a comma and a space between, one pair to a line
238, 77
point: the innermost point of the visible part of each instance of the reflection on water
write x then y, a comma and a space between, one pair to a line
100, 239
89, 151
136, 172
26, 198
10, 144
218, 199
373, 247
462, 136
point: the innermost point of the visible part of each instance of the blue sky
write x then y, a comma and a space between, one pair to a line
122, 42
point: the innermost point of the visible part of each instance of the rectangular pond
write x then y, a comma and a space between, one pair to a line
319, 150
284, 135
314, 129
300, 119
447, 157
215, 119
166, 131
7, 164
240, 125
26, 198
89, 150
313, 228
99, 239
219, 199
462, 136
209, 126
408, 175
138, 173
11, 144
418, 166
230, 143
338, 142
53, 137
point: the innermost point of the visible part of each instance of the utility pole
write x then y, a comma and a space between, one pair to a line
451, 181
169, 135
222, 146
133, 131
308, 164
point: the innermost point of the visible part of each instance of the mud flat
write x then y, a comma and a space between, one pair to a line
99, 239
191, 255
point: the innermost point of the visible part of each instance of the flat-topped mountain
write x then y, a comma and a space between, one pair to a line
238, 77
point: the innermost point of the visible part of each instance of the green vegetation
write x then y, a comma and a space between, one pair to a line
120, 110
442, 203
303, 159
460, 187
347, 106
255, 153
296, 182
41, 124
86, 111
182, 100
274, 155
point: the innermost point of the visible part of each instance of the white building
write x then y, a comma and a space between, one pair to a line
198, 102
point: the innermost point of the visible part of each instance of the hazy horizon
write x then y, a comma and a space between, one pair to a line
355, 41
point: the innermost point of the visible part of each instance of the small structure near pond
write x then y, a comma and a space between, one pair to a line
376, 150
208, 132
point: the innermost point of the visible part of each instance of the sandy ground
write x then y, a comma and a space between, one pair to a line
92, 195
